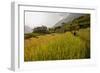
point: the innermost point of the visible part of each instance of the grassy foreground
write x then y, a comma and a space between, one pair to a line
58, 46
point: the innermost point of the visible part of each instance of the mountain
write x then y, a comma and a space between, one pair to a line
27, 29
68, 18
78, 22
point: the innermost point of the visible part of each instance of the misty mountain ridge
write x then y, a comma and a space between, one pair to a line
67, 19
27, 29
71, 17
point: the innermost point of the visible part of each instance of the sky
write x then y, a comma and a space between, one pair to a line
49, 19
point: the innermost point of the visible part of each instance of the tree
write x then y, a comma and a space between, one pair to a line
42, 29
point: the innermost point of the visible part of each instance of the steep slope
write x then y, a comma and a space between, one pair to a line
83, 21
68, 18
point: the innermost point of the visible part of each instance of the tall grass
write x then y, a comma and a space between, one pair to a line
56, 47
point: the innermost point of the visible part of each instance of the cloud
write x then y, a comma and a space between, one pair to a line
34, 19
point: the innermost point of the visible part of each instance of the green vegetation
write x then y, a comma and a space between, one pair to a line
78, 23
69, 41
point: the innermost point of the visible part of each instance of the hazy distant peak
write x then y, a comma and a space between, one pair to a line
27, 29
